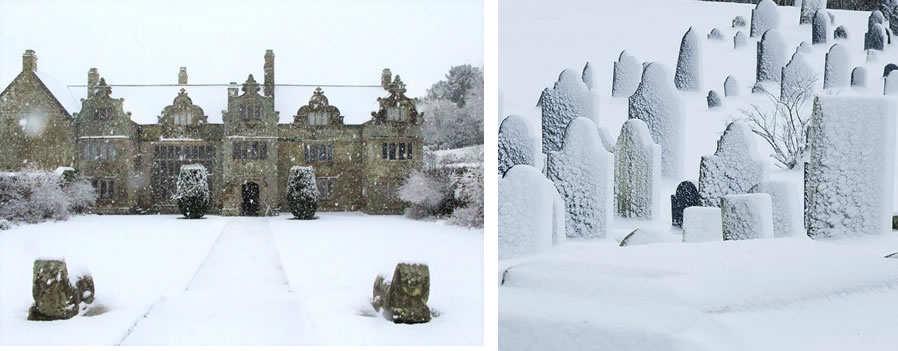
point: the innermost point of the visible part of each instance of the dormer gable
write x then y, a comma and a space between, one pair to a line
318, 113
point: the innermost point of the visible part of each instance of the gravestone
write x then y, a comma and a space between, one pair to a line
787, 207
57, 295
568, 99
797, 79
516, 144
859, 77
819, 27
890, 86
875, 38
627, 72
713, 99
809, 8
731, 86
637, 171
835, 73
657, 103
804, 47
404, 299
688, 76
771, 56
739, 21
739, 40
746, 216
840, 33
701, 224
888, 69
645, 237
526, 212
735, 167
764, 17
685, 196
715, 34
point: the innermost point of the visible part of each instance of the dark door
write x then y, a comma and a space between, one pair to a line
250, 205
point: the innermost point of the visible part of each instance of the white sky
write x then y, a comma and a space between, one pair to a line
315, 42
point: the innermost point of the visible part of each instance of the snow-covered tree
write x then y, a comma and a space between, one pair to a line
448, 126
458, 84
689, 64
33, 196
302, 192
425, 194
468, 186
192, 194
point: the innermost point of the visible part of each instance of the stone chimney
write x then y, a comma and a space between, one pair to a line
182, 76
93, 78
232, 91
268, 83
385, 78
29, 61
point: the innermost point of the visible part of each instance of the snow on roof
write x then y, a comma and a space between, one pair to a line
60, 91
147, 102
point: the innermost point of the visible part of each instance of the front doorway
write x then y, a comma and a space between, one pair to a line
250, 196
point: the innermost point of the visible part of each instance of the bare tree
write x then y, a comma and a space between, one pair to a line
784, 126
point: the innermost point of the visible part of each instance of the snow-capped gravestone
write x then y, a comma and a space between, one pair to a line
859, 77
57, 293
819, 27
888, 69
607, 141
647, 236
787, 206
731, 86
583, 173
840, 33
797, 78
637, 172
890, 86
685, 196
713, 99
875, 38
627, 71
657, 104
715, 34
738, 21
809, 8
804, 47
875, 17
516, 144
702, 224
835, 74
734, 168
589, 77
302, 192
689, 64
193, 192
746, 216
771, 56
404, 299
526, 212
568, 99
764, 17
850, 175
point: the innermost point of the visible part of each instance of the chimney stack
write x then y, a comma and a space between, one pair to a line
93, 78
29, 61
268, 83
182, 76
386, 77
232, 90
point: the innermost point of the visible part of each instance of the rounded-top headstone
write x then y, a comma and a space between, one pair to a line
731, 86
859, 77
764, 17
516, 144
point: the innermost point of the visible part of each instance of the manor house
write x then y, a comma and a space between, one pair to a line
132, 156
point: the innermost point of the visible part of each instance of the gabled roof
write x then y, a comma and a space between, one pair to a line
58, 91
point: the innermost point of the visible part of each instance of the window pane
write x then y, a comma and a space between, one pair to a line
305, 153
263, 151
102, 189
392, 151
86, 154
408, 150
384, 152
322, 152
258, 112
330, 152
401, 151
111, 148
313, 152
111, 188
93, 151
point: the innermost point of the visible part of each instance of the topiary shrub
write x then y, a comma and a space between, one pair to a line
192, 194
302, 192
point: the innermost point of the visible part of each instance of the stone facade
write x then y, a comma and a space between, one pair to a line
134, 166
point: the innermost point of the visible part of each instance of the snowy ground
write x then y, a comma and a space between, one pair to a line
789, 294
244, 281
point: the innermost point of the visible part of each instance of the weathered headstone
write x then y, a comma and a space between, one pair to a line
809, 8
731, 86
56, 296
875, 38
771, 56
527, 214
685, 196
819, 27
637, 171
627, 71
895, 222
850, 175
835, 73
804, 47
859, 77
787, 207
890, 86
583, 174
702, 224
739, 40
657, 104
516, 144
738, 21
764, 17
688, 76
734, 168
715, 34
568, 99
888, 69
404, 299
746, 216
797, 79
840, 33
713, 99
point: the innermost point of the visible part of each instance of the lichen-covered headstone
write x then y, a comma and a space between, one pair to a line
657, 103
890, 86
689, 64
526, 212
568, 99
731, 86
713, 99
738, 21
583, 173
404, 299
685, 196
840, 33
771, 56
517, 145
850, 176
819, 27
809, 8
859, 77
57, 295
702, 224
835, 73
627, 71
787, 206
715, 34
746, 216
637, 172
875, 38
797, 79
764, 17
735, 167
739, 40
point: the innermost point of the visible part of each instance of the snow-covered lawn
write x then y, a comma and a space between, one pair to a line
235, 280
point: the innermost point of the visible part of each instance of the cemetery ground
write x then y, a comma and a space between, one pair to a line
163, 280
790, 293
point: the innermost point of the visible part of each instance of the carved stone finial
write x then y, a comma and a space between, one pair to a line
251, 86
103, 89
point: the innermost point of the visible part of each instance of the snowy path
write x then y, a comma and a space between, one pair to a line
239, 296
